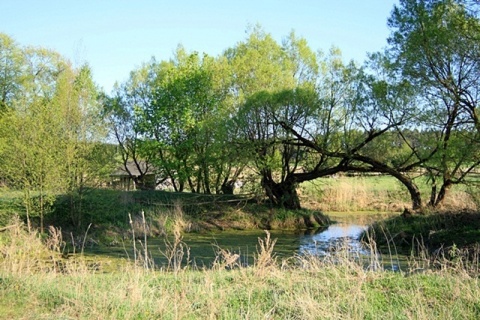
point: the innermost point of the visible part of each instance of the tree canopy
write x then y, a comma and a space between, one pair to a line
273, 114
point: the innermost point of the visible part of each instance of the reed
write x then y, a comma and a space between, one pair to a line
337, 286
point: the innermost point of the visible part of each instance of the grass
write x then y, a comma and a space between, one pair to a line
372, 193
347, 194
300, 287
108, 213
110, 209
446, 233
39, 280
11, 203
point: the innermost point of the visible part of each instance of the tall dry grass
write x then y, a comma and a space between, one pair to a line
352, 194
377, 193
338, 286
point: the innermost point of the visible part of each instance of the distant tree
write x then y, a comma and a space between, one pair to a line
50, 132
11, 63
123, 120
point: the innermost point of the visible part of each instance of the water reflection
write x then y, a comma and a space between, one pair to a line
343, 238
337, 236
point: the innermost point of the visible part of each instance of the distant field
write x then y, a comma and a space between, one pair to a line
365, 193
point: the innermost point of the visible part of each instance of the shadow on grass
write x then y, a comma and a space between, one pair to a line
104, 207
431, 232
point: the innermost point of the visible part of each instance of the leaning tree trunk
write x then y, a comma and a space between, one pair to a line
440, 197
415, 195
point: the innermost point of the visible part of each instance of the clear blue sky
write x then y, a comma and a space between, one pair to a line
116, 36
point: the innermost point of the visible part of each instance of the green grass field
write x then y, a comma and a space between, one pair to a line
38, 281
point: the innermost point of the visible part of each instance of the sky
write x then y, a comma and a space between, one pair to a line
116, 36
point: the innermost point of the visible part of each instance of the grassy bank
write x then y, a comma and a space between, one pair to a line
450, 233
113, 208
109, 216
37, 283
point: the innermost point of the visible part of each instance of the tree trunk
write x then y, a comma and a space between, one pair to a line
377, 166
433, 195
283, 194
228, 186
442, 193
415, 195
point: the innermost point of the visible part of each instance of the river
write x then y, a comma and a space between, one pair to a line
201, 249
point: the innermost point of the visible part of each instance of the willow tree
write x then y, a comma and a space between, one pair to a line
265, 72
343, 123
435, 45
270, 121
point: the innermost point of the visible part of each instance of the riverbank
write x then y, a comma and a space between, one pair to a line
454, 235
110, 215
36, 282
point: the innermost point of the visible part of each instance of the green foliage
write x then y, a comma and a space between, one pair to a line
276, 114
174, 115
51, 131
11, 62
434, 45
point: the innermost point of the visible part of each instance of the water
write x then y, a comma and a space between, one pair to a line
201, 250
337, 236
343, 238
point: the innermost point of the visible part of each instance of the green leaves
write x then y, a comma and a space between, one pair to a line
51, 130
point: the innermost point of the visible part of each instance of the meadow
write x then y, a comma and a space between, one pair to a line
37, 283
378, 193
41, 279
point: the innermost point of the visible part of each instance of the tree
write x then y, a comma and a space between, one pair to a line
123, 119
86, 162
29, 128
11, 62
50, 132
260, 64
271, 83
175, 115
355, 116
435, 45
265, 119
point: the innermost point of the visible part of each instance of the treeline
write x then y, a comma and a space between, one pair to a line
51, 129
277, 114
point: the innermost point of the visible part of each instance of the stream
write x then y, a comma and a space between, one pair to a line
201, 249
